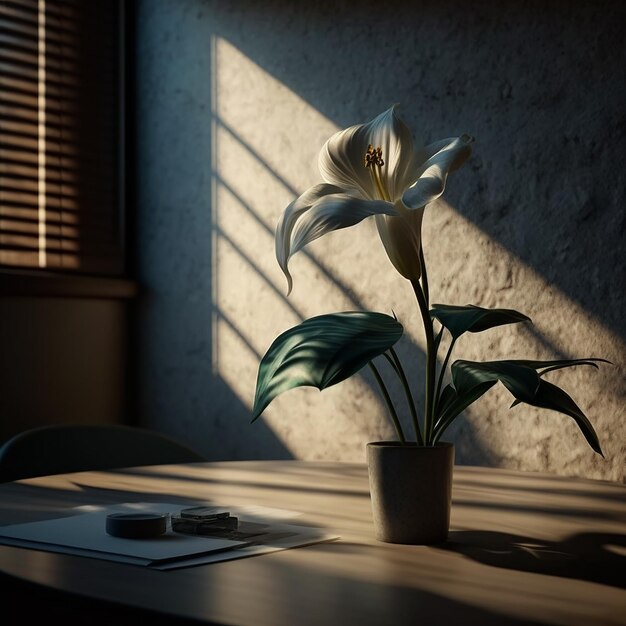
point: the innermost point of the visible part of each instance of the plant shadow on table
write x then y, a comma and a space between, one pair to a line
583, 556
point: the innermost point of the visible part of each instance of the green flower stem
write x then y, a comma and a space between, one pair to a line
409, 395
431, 361
388, 402
424, 276
443, 371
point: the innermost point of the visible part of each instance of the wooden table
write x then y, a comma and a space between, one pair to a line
523, 549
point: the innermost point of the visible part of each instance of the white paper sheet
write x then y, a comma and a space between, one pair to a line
84, 534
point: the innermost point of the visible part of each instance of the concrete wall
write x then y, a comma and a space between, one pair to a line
234, 101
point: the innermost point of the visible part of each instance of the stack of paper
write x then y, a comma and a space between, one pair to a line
84, 534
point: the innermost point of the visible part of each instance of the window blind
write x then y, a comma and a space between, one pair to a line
60, 135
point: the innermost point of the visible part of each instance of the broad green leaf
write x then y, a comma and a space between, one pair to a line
474, 319
521, 379
471, 380
323, 351
559, 364
448, 396
550, 396
456, 403
551, 366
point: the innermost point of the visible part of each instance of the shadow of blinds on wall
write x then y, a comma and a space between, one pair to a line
60, 139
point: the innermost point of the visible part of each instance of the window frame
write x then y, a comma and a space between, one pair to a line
37, 282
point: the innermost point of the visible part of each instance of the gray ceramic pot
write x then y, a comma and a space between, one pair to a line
411, 490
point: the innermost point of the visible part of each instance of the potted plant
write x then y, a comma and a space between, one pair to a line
374, 169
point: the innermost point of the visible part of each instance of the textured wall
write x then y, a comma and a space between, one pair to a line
234, 103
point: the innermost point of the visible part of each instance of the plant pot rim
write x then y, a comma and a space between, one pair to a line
399, 444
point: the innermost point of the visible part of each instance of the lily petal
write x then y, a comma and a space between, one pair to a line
333, 213
329, 213
426, 152
288, 220
448, 155
341, 160
402, 239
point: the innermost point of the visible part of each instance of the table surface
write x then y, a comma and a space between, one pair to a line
523, 548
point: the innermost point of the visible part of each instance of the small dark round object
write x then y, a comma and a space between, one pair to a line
136, 525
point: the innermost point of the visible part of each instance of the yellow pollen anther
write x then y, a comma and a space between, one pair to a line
374, 156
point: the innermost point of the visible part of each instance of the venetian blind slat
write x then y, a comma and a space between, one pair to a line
59, 135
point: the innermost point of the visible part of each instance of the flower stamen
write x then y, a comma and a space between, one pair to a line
374, 162
373, 157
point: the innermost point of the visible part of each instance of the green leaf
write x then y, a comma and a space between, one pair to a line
559, 364
474, 319
551, 366
521, 379
456, 403
323, 351
447, 397
550, 396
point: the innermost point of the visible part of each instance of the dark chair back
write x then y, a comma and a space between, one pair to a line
66, 448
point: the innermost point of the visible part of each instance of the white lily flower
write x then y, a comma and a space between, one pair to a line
372, 169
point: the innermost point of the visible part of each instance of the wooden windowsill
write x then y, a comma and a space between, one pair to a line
26, 283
